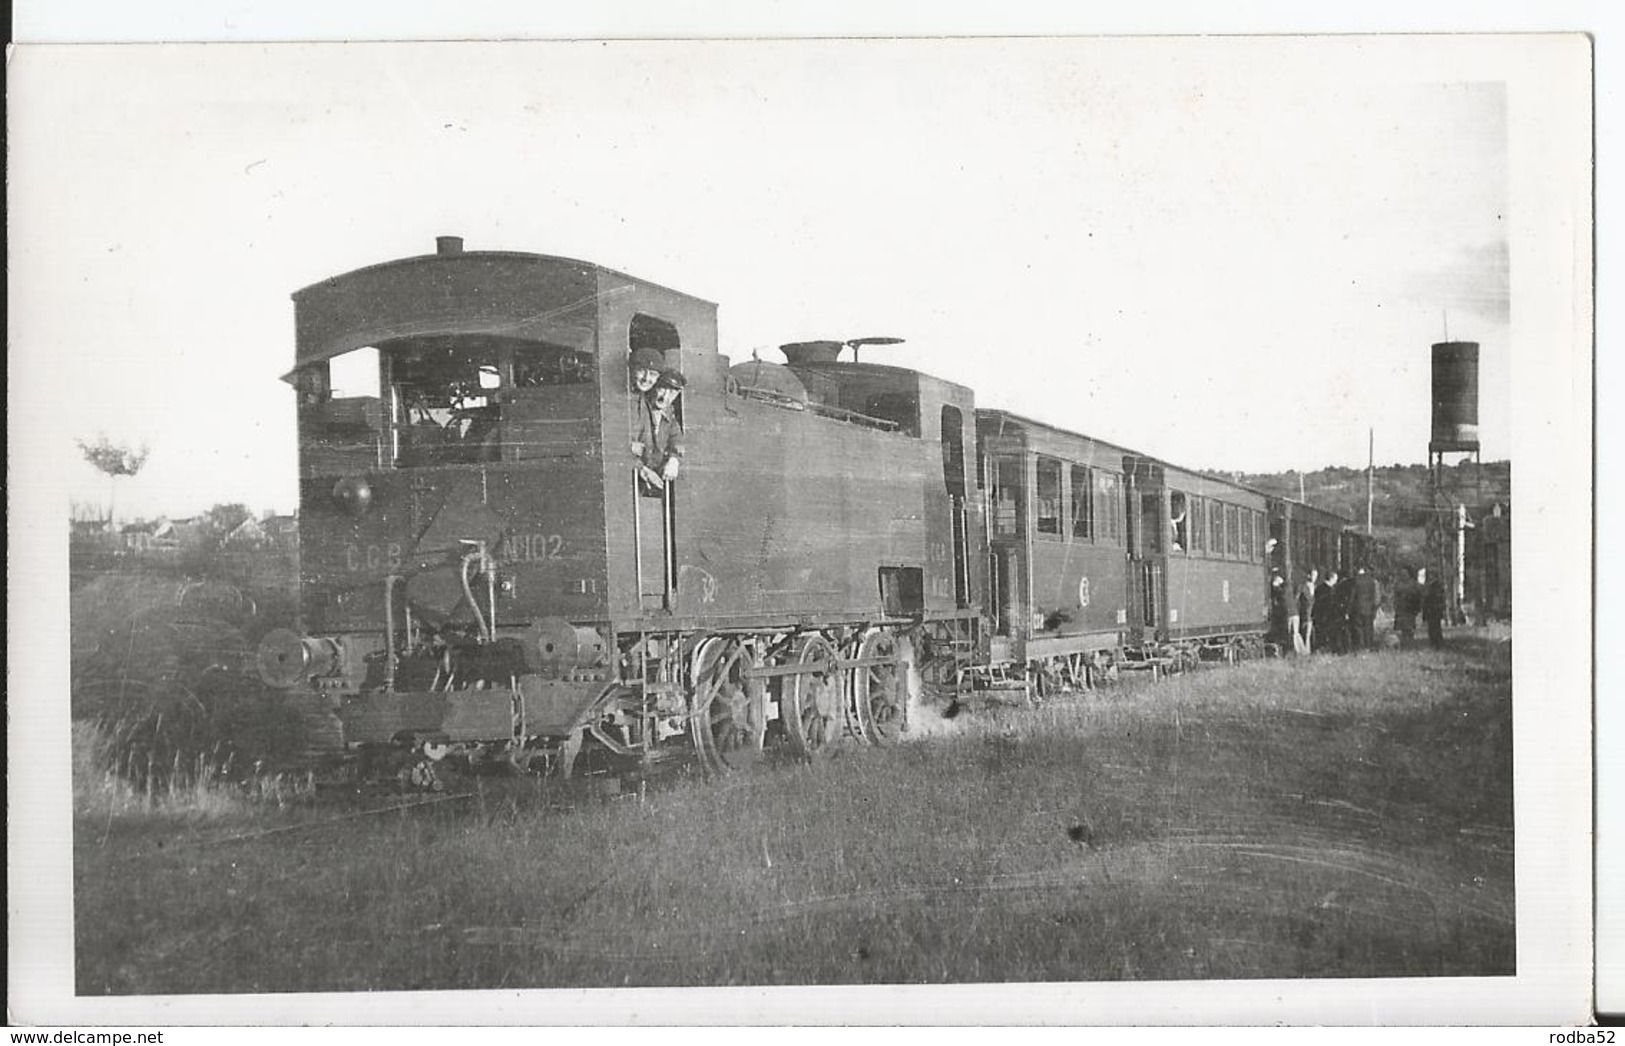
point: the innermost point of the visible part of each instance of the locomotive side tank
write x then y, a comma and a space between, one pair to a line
483, 567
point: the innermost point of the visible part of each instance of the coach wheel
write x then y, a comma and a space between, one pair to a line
878, 694
728, 718
810, 701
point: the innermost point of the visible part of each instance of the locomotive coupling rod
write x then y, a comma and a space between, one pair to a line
815, 667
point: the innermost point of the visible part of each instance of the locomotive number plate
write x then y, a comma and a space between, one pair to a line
532, 548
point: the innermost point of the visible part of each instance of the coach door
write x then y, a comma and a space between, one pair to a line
1007, 512
1145, 552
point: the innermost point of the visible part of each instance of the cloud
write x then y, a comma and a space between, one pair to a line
1475, 279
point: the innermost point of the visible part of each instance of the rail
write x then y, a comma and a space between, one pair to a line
788, 402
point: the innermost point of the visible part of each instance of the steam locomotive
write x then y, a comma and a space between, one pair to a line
482, 571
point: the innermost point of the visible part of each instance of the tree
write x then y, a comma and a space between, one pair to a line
115, 459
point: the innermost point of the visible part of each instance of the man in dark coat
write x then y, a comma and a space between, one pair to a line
1433, 608
1329, 612
1281, 631
657, 434
1407, 601
1363, 609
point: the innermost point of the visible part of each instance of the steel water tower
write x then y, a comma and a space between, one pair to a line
1455, 431
1455, 402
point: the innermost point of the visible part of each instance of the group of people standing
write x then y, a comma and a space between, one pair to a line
1338, 615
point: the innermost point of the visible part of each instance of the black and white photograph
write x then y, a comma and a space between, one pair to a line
890, 530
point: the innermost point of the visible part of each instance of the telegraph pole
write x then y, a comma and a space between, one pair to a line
1370, 472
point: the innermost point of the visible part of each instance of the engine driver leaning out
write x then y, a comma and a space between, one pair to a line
657, 438
645, 367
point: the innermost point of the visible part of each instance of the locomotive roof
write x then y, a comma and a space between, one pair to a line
505, 292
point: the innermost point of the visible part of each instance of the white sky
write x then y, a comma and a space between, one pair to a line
1232, 253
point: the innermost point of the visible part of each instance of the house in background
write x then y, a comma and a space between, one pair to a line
247, 536
268, 533
150, 536
165, 535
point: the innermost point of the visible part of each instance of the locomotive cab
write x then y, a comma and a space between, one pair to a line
459, 512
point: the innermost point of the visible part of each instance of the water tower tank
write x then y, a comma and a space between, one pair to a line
1455, 397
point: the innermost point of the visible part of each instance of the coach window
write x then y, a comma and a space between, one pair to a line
1179, 521
1198, 523
1049, 496
1083, 502
1109, 505
1232, 532
1005, 474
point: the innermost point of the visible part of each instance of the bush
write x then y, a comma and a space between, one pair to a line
162, 668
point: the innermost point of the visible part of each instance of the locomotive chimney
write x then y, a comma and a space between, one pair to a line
448, 245
800, 353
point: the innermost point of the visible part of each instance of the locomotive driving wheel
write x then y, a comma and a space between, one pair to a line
810, 701
728, 715
878, 692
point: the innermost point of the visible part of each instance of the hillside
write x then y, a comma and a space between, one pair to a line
1402, 496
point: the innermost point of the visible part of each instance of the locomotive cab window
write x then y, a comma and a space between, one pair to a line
444, 405
340, 412
474, 400
649, 332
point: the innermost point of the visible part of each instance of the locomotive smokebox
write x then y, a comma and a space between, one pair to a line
1455, 397
448, 245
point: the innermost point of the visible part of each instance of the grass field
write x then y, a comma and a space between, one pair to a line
1335, 817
